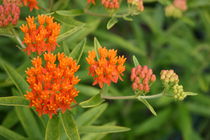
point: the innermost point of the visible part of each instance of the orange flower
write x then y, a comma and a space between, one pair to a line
32, 4
52, 84
91, 1
42, 38
107, 68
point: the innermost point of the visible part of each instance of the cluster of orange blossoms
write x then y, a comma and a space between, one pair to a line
51, 84
107, 67
32, 4
42, 38
111, 4
142, 77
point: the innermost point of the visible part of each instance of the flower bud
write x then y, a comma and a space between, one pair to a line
179, 93
169, 77
142, 77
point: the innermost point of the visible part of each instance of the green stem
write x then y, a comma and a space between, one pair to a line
18, 39
132, 97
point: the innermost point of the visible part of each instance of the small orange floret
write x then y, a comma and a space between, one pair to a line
32, 4
51, 84
42, 37
107, 68
91, 1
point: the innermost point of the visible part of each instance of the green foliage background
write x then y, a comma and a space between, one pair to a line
161, 42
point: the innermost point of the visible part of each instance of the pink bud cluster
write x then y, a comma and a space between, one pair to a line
17, 2
9, 13
180, 4
111, 4
142, 77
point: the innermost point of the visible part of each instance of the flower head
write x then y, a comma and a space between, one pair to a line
91, 1
142, 77
107, 68
9, 14
180, 4
110, 4
32, 4
52, 84
169, 77
179, 93
40, 38
137, 3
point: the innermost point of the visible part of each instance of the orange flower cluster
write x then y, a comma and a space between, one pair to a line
137, 3
32, 4
42, 38
52, 85
107, 68
142, 77
111, 4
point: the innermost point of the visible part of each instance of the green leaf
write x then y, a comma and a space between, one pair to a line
69, 33
92, 102
111, 23
190, 93
52, 130
14, 101
147, 105
103, 129
135, 61
96, 46
69, 125
16, 78
87, 90
91, 115
29, 122
10, 135
6, 32
153, 123
9, 121
71, 13
78, 50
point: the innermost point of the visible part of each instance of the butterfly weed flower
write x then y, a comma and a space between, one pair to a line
52, 83
32, 4
180, 4
169, 77
91, 1
142, 77
42, 36
9, 14
110, 4
107, 68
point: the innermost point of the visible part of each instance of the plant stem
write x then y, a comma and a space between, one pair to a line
18, 39
131, 97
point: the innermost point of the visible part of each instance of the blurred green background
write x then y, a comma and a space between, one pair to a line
161, 42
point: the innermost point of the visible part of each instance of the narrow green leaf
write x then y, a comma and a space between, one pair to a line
69, 33
111, 23
96, 46
87, 90
6, 32
69, 125
153, 123
147, 105
9, 121
91, 115
103, 129
71, 13
29, 122
135, 61
14, 101
191, 93
16, 78
66, 49
92, 102
78, 50
10, 135
52, 130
